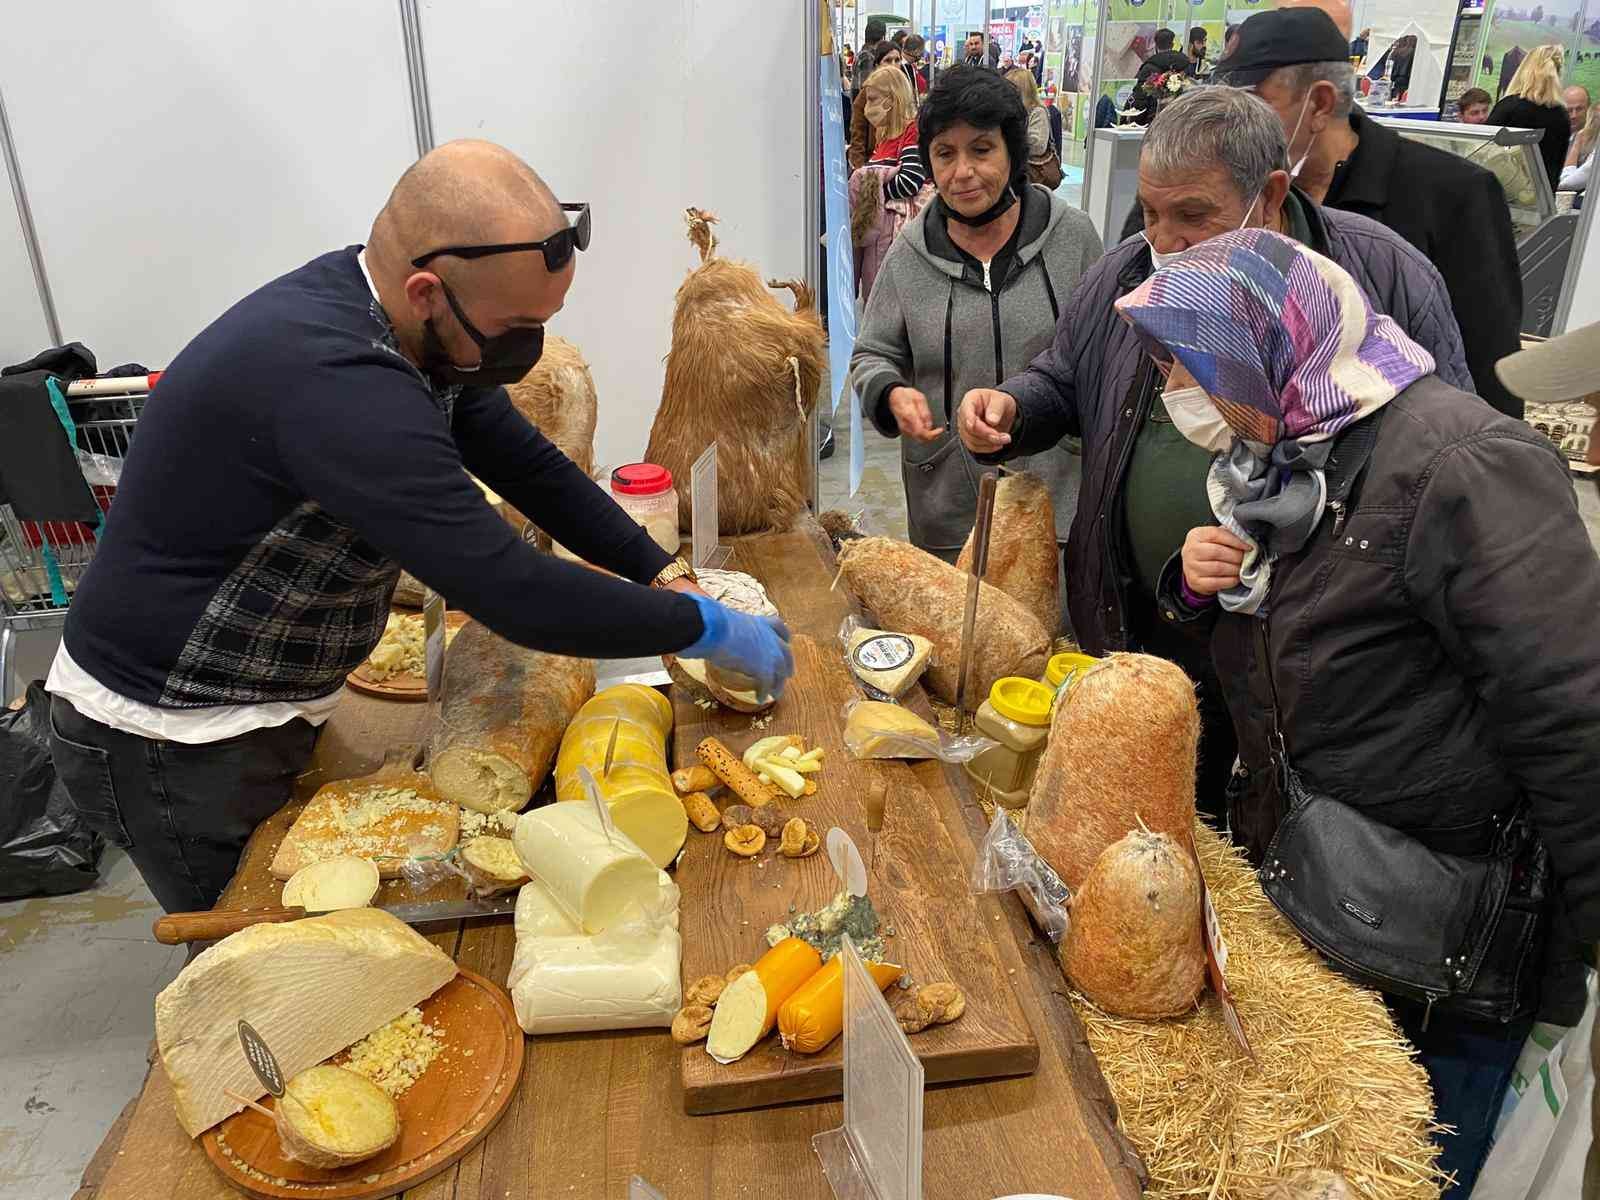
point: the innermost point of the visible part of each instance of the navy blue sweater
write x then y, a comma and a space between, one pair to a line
290, 461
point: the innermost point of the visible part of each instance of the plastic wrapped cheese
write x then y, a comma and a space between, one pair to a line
564, 981
594, 874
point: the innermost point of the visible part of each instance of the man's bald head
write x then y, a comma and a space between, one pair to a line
467, 193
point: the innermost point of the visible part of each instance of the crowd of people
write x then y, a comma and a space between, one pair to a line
1268, 421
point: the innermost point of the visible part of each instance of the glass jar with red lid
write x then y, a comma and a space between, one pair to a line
645, 492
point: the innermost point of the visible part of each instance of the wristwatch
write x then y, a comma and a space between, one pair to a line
678, 568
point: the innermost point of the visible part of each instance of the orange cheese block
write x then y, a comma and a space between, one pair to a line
748, 1007
814, 1015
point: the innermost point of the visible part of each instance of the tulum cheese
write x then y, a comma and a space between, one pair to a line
539, 915
889, 662
596, 877
618, 980
310, 988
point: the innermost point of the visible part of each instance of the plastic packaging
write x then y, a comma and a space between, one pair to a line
1063, 669
869, 736
874, 655
644, 491
45, 847
1007, 862
1017, 715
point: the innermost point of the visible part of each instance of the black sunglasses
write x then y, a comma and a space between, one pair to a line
557, 248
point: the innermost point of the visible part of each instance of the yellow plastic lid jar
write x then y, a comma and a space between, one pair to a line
1062, 668
1017, 716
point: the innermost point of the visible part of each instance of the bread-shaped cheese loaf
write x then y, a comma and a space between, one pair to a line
1024, 559
1121, 753
638, 787
502, 715
598, 878
310, 988
910, 591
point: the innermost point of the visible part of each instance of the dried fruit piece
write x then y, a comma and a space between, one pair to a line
691, 1024
811, 787
736, 815
704, 990
737, 970
702, 811
914, 1016
746, 841
792, 841
945, 1000
770, 820
813, 844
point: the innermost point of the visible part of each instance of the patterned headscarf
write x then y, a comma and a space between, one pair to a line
1281, 338
1286, 346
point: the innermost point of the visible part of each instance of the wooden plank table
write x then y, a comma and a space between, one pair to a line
592, 1110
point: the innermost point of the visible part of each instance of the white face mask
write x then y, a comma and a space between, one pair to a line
1299, 163
1197, 418
1159, 259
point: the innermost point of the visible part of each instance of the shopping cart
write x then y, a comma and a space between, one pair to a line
42, 562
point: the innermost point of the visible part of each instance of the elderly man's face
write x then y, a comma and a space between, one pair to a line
1183, 210
1577, 107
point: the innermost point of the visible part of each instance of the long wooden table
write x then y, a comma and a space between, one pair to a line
593, 1110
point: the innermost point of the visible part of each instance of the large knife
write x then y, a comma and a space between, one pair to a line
980, 564
174, 929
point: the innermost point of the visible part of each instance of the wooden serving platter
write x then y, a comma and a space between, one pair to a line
455, 1103
918, 885
400, 687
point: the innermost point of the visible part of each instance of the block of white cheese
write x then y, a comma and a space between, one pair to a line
538, 914
597, 876
310, 988
889, 662
624, 979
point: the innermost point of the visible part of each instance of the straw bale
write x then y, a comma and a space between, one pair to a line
1024, 560
1335, 1087
1121, 752
910, 591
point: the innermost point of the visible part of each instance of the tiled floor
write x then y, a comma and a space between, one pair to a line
78, 974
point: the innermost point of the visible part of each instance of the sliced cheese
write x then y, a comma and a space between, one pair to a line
331, 884
889, 662
596, 878
576, 983
309, 988
876, 730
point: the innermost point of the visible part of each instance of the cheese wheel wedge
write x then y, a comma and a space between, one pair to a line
309, 988
597, 879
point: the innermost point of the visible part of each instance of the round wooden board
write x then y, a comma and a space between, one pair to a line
444, 1114
399, 687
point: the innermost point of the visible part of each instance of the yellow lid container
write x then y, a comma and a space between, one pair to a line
1062, 665
1025, 701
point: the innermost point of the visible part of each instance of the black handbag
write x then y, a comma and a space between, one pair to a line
1461, 935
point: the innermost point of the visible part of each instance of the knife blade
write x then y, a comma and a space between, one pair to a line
174, 929
980, 564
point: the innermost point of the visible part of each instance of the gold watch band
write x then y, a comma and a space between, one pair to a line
678, 568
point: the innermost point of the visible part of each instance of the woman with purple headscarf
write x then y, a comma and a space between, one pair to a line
1397, 581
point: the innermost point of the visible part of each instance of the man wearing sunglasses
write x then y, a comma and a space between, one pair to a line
301, 450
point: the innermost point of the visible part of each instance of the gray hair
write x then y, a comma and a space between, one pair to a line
1217, 126
1298, 81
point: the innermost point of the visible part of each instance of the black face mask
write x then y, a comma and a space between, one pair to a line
997, 209
504, 358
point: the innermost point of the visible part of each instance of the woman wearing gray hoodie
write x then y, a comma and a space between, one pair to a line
967, 296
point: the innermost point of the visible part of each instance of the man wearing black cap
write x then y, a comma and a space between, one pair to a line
1297, 60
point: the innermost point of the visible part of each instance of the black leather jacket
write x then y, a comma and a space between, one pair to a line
1430, 657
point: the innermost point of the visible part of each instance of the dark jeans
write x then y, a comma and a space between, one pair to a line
1219, 745
183, 813
1469, 1064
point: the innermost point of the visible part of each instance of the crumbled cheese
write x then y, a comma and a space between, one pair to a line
395, 1056
845, 913
402, 650
477, 824
361, 825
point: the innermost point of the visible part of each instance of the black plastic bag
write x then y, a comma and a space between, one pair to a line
45, 848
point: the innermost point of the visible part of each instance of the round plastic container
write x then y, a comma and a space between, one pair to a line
1017, 715
645, 492
1064, 667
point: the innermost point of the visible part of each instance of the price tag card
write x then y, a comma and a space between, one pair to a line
1217, 962
877, 1153
705, 532
260, 1059
433, 627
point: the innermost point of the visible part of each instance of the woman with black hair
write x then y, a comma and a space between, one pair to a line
967, 295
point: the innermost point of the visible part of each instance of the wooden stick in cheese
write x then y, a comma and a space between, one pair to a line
309, 987
595, 877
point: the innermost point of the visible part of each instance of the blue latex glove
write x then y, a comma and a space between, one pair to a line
757, 647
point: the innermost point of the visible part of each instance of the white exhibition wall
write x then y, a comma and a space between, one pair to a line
178, 155
693, 103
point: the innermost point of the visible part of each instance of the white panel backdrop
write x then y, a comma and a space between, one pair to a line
179, 154
22, 326
687, 102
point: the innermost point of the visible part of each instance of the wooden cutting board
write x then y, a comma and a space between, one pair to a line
918, 887
400, 687
457, 1101
331, 825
